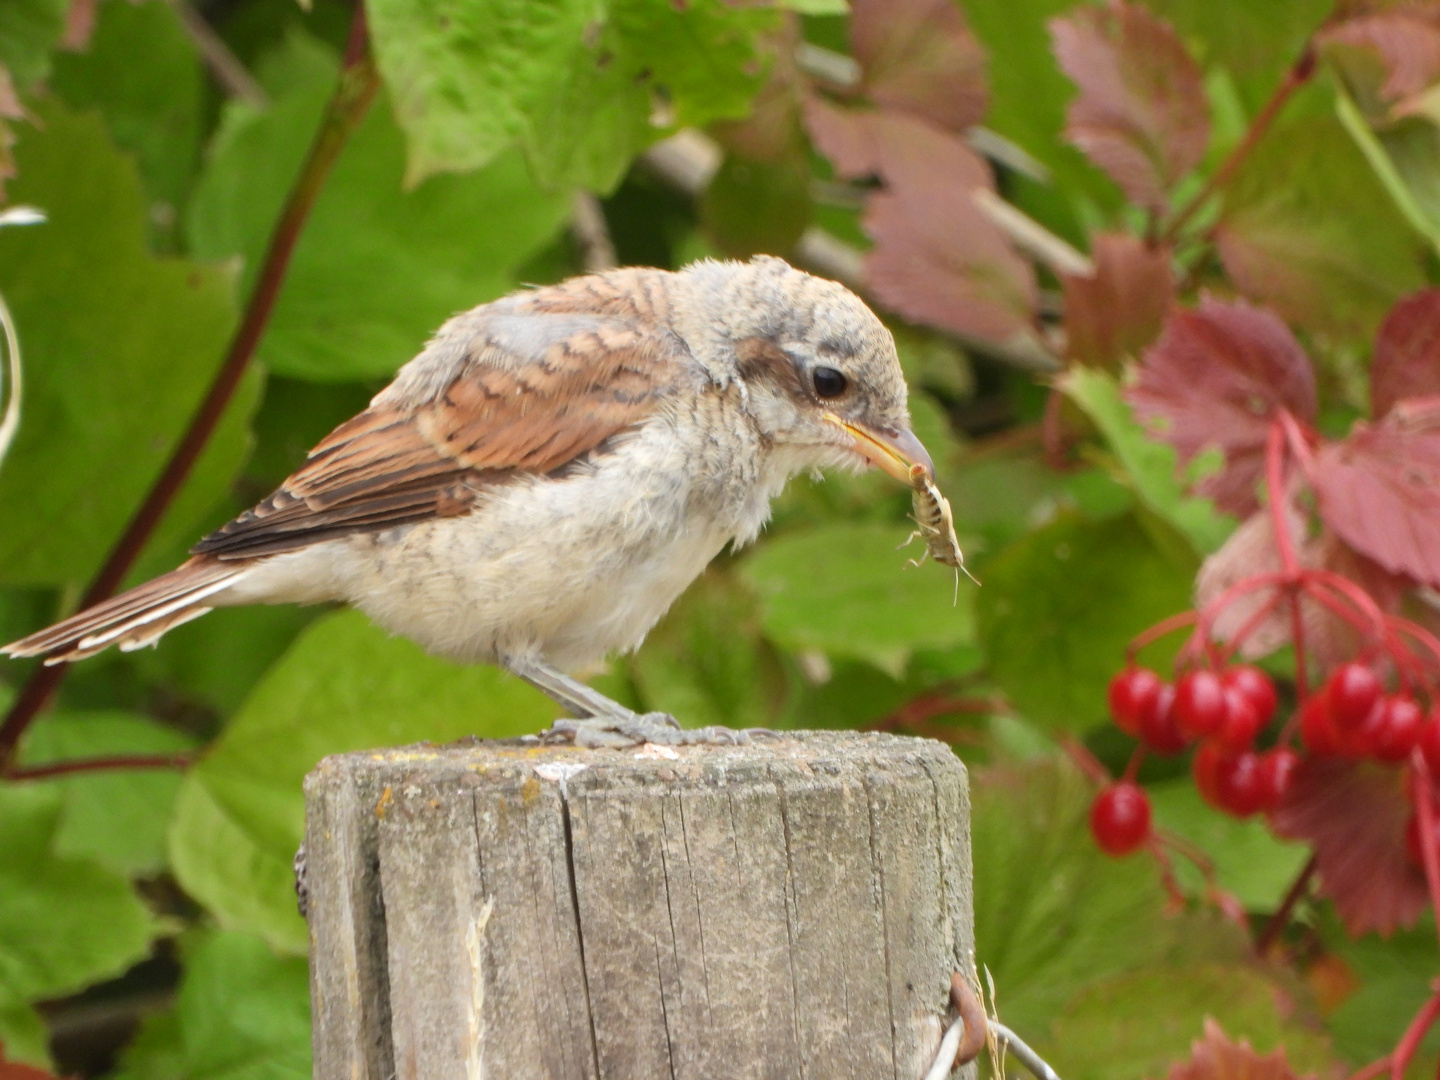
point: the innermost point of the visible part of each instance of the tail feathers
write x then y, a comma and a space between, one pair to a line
133, 619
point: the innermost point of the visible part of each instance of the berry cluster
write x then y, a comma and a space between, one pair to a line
1351, 715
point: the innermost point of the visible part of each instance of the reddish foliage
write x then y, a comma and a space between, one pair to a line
1407, 352
1118, 310
10, 109
937, 258
1141, 115
919, 56
1354, 813
1408, 45
13, 1070
1215, 1057
79, 25
1380, 489
1216, 378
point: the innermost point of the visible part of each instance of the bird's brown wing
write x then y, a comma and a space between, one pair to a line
394, 464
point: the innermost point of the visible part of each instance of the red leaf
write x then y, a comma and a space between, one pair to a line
1407, 352
1380, 489
1215, 379
1141, 115
1354, 813
920, 57
1408, 45
13, 1070
937, 258
1215, 1057
1119, 309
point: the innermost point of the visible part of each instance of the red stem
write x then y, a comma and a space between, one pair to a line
1281, 918
1425, 811
1249, 626
1410, 1041
1378, 1067
99, 764
1299, 74
1161, 629
353, 94
1087, 762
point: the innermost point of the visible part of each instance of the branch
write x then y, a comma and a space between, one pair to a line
353, 94
588, 226
1281, 919
1300, 73
99, 764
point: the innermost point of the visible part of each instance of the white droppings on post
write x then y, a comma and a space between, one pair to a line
474, 1058
559, 772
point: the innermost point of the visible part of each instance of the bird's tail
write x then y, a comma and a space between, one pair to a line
133, 619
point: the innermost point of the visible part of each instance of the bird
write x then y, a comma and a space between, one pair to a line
538, 485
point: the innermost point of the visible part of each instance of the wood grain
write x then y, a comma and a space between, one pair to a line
790, 909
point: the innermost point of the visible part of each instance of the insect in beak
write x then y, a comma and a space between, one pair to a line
896, 452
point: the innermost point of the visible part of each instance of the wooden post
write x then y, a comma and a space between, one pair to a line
789, 909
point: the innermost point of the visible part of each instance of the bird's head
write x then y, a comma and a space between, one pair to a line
822, 379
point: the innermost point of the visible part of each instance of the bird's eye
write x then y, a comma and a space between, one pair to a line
829, 383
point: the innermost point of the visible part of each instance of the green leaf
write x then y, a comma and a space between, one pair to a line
377, 269
1143, 1022
1306, 228
581, 85
242, 883
1052, 913
1060, 606
1256, 43
242, 1013
1395, 976
344, 685
141, 71
24, 1035
29, 30
117, 818
119, 346
1088, 965
64, 923
1405, 157
1147, 464
845, 589
1249, 861
706, 662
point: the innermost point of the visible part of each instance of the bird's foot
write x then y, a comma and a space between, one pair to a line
634, 729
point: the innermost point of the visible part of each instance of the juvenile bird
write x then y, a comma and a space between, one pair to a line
537, 487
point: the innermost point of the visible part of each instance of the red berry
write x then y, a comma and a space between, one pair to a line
1242, 786
1242, 721
1120, 818
1131, 692
1430, 742
1278, 768
1157, 723
1199, 704
1206, 769
1352, 689
1255, 685
1394, 728
1316, 728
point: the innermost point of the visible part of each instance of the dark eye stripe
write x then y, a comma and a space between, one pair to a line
829, 383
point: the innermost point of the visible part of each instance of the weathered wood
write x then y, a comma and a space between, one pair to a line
789, 909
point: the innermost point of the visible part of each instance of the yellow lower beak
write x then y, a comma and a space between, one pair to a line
894, 451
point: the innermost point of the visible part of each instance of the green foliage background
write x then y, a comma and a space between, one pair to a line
160, 193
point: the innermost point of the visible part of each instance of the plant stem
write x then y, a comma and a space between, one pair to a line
1410, 1041
99, 764
1300, 73
354, 92
1281, 919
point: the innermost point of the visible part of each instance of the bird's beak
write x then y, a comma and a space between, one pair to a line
894, 451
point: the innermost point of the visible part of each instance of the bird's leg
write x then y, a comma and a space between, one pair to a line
601, 721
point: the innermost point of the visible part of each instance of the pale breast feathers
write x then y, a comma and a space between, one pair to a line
502, 389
